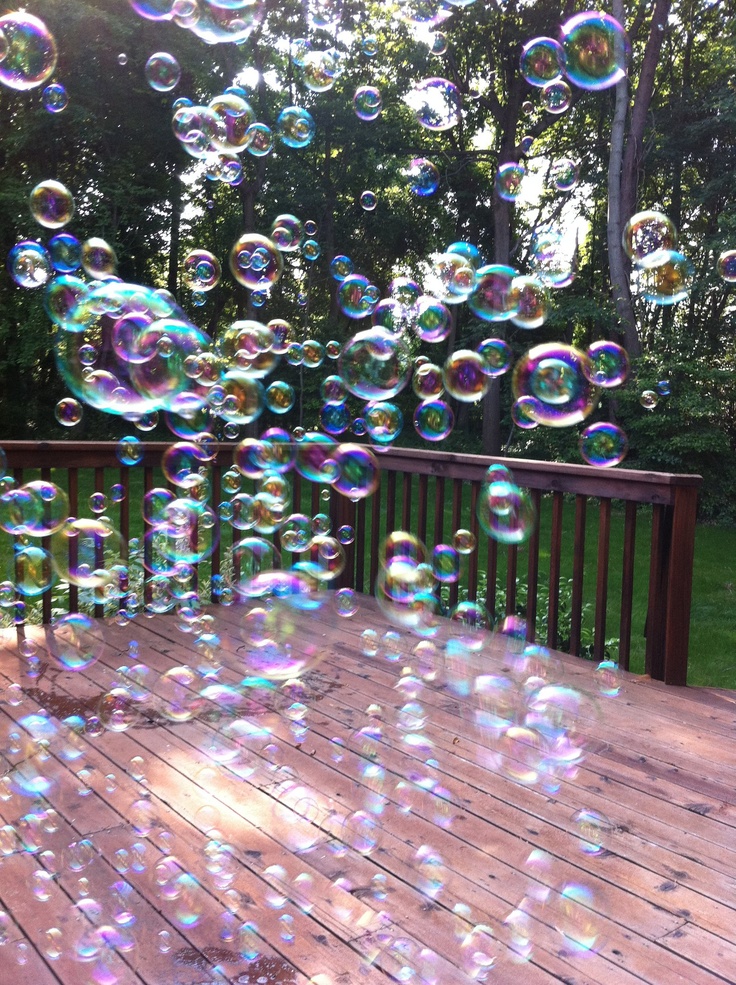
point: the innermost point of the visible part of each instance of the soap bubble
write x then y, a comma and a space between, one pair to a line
647, 233
68, 412
55, 98
368, 201
65, 251
649, 399
431, 319
29, 264
256, 262
375, 364
494, 298
564, 174
98, 258
162, 71
287, 232
726, 266
666, 277
436, 103
422, 176
609, 364
30, 54
558, 376
464, 376
201, 270
433, 420
496, 355
596, 49
556, 97
603, 445
530, 300
508, 181
73, 643
542, 61
367, 103
295, 127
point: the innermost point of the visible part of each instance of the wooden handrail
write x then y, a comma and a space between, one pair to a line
410, 474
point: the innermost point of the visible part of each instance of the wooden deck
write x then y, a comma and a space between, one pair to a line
392, 838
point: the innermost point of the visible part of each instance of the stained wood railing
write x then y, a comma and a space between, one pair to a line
569, 566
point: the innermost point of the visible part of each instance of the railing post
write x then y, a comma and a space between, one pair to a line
679, 584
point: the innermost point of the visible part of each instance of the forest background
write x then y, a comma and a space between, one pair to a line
665, 139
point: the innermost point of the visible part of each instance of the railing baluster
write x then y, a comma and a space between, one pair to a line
375, 535
473, 558
360, 546
512, 557
422, 508
601, 592
439, 509
491, 575
627, 586
532, 577
72, 546
406, 501
147, 546
99, 546
578, 572
457, 506
553, 612
46, 544
215, 557
391, 503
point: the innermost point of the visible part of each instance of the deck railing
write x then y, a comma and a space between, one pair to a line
568, 571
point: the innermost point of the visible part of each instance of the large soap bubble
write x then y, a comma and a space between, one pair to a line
256, 262
375, 364
558, 377
596, 50
436, 103
30, 57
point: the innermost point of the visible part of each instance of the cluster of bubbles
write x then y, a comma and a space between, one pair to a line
242, 698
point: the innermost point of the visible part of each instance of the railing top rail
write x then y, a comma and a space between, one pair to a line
624, 484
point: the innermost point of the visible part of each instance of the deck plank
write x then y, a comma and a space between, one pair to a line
658, 763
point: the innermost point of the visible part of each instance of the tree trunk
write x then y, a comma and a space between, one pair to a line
172, 279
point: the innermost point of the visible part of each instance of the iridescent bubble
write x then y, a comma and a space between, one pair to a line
29, 264
530, 298
436, 103
375, 364
594, 829
433, 420
553, 258
649, 399
30, 51
445, 564
452, 277
496, 355
439, 44
130, 450
665, 277
34, 573
98, 258
73, 644
319, 70
162, 71
311, 250
607, 677
542, 60
346, 603
663, 388
280, 397
647, 233
201, 270
295, 127
367, 103
596, 49
494, 298
117, 710
506, 512
368, 201
335, 418
357, 471
287, 232
65, 251
556, 97
422, 176
558, 376
508, 181
256, 262
609, 364
577, 920
564, 174
427, 381
369, 46
68, 412
524, 411
464, 376
97, 549
341, 267
383, 421
55, 98
726, 266
431, 319
603, 445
